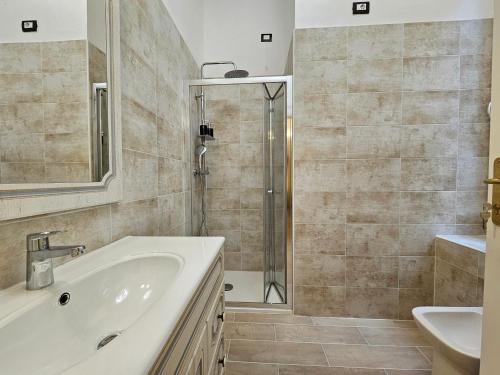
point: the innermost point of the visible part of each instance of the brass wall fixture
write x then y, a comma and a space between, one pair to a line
494, 207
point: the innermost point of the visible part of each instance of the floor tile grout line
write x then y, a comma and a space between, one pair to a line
337, 367
330, 343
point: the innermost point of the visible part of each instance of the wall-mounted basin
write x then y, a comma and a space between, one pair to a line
455, 334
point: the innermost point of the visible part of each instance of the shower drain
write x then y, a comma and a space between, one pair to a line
105, 341
228, 287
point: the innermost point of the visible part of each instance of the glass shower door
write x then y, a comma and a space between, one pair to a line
275, 194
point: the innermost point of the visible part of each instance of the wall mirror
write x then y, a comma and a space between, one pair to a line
59, 102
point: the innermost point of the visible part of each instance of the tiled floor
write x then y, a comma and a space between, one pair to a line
279, 344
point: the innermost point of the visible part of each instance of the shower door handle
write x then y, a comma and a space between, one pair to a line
270, 191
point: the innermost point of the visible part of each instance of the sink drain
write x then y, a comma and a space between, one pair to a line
105, 341
228, 287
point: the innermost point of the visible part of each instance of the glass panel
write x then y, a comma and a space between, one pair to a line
275, 193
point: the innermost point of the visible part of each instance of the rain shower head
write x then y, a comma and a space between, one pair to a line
236, 73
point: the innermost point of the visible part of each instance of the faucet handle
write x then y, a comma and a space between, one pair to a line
39, 241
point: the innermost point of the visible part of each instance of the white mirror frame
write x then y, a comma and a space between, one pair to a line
22, 200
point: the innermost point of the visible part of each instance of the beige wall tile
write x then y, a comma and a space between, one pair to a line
473, 140
475, 72
21, 147
431, 73
224, 219
416, 272
431, 39
372, 240
67, 172
320, 208
374, 208
65, 87
432, 174
428, 207
66, 147
65, 56
321, 77
22, 173
20, 58
365, 142
252, 198
378, 108
375, 42
138, 218
418, 239
23, 88
21, 118
319, 271
172, 213
320, 176
471, 173
251, 154
321, 44
373, 175
371, 272
66, 118
320, 110
474, 106
422, 141
232, 261
320, 143
139, 129
430, 107
223, 199
410, 298
476, 37
374, 75
139, 167
458, 256
319, 300
372, 302
454, 287
469, 206
320, 239
224, 176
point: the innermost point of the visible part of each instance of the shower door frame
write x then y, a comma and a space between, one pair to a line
289, 236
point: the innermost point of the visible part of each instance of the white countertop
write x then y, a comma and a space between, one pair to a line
135, 351
473, 242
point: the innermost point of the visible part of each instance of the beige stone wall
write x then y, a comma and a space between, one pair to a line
44, 112
391, 146
155, 60
235, 183
459, 275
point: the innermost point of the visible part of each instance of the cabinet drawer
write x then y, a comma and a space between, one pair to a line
215, 323
219, 362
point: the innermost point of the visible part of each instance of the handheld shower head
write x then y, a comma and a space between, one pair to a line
200, 151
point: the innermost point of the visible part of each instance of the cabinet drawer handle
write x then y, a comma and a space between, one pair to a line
221, 317
222, 362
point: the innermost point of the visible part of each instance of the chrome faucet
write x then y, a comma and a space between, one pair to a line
39, 269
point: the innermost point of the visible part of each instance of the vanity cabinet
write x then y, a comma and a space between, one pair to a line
196, 347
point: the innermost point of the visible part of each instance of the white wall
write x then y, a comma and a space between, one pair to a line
188, 16
57, 20
232, 32
327, 13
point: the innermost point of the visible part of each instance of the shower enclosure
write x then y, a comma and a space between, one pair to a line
241, 181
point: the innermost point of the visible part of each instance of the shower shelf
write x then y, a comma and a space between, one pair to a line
206, 137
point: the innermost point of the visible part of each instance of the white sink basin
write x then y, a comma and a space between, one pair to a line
55, 337
455, 334
136, 288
